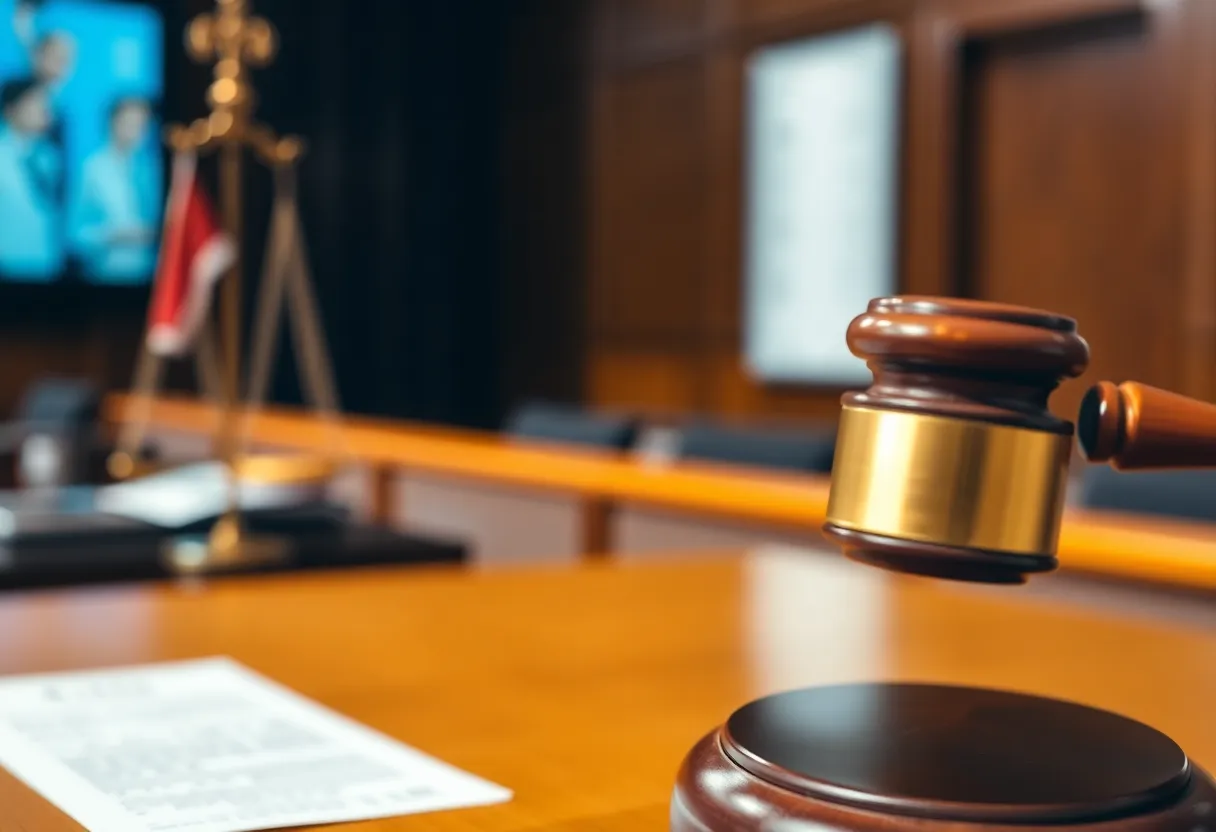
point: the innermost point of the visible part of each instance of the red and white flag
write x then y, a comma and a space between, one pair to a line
195, 253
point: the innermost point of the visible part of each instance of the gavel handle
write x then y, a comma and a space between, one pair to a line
1136, 426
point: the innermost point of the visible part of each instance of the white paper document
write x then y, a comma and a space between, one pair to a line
210, 746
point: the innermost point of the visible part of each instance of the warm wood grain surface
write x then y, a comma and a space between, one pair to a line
1123, 546
582, 687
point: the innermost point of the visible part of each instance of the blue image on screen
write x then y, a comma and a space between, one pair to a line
81, 179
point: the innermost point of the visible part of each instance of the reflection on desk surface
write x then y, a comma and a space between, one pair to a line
582, 687
174, 499
64, 510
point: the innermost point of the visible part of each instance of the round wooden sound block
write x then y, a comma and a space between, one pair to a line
889, 757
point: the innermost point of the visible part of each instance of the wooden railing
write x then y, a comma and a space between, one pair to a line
1118, 545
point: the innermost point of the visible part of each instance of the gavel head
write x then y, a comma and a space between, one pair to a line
950, 464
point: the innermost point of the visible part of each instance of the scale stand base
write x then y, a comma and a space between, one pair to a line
229, 548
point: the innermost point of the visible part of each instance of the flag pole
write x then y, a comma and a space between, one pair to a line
231, 164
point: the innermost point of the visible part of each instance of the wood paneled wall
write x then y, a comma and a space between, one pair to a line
1057, 153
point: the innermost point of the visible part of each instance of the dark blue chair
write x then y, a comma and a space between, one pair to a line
55, 436
1189, 495
564, 423
59, 405
805, 451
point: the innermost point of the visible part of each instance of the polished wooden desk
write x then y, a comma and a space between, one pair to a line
582, 687
1136, 548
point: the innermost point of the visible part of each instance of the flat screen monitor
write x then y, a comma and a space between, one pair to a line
81, 170
822, 167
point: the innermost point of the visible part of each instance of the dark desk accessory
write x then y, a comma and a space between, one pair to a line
58, 537
951, 466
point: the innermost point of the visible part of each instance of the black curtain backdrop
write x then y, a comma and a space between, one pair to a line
400, 103
399, 195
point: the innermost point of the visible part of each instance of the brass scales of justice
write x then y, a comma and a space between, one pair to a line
238, 42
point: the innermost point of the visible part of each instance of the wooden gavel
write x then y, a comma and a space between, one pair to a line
951, 465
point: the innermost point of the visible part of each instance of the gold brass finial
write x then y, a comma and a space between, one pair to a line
237, 41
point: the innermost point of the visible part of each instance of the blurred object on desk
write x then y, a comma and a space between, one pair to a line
65, 536
192, 493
